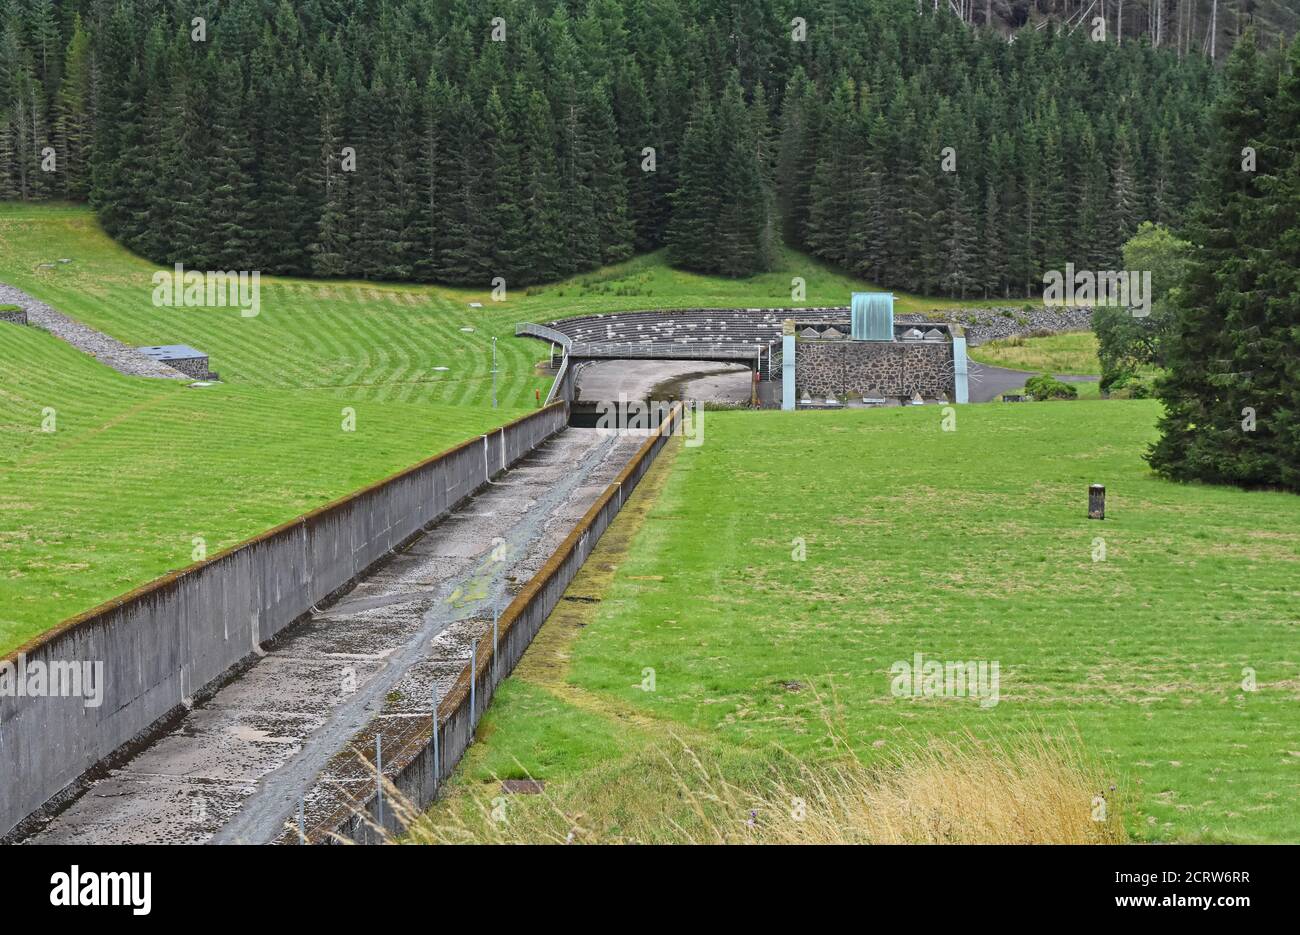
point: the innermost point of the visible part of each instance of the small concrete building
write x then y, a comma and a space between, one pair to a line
188, 360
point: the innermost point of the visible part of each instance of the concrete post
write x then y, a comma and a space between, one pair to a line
787, 364
960, 367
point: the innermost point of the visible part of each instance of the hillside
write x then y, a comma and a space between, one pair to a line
138, 468
524, 141
1181, 25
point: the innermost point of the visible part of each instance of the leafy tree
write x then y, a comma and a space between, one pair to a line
1128, 343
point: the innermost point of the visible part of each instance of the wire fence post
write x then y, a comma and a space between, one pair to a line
473, 671
379, 780
302, 824
496, 614
435, 734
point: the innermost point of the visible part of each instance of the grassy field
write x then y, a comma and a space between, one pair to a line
373, 339
1074, 352
969, 545
135, 470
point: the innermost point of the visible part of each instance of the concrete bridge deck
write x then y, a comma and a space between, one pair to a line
235, 768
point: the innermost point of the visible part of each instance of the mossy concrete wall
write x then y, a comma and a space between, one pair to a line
181, 635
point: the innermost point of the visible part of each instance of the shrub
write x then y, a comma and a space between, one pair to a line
1129, 386
1045, 386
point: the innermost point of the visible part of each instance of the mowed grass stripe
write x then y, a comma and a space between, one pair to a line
136, 469
255, 449
375, 325
970, 545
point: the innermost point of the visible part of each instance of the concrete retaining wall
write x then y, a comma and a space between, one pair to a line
409, 763
162, 644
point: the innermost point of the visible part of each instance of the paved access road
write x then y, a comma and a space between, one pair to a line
986, 382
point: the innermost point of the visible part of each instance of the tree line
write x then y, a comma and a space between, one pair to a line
461, 140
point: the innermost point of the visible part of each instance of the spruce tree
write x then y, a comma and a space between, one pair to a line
696, 202
1201, 428
74, 135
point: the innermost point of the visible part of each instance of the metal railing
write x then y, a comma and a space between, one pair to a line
530, 330
560, 376
527, 329
682, 350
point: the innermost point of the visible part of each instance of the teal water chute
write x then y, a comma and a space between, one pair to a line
873, 316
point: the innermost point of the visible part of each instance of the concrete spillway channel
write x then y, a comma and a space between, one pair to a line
297, 729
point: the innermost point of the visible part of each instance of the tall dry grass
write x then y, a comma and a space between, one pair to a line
1027, 789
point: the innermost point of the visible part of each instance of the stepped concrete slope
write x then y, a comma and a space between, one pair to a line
236, 767
752, 326
109, 351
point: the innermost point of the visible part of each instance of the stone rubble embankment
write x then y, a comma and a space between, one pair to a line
992, 324
109, 351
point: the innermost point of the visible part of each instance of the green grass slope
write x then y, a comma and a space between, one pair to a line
969, 545
136, 469
380, 340
1074, 352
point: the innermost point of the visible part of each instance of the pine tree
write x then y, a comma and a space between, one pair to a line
796, 156
1088, 243
540, 190
829, 225
502, 217
232, 205
74, 135
697, 200
1124, 209
1203, 392
743, 243
955, 231
1279, 281
607, 179
332, 244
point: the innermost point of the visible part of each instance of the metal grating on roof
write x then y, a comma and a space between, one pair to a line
172, 352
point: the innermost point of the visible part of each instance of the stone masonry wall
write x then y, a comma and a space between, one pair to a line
868, 368
17, 315
196, 367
